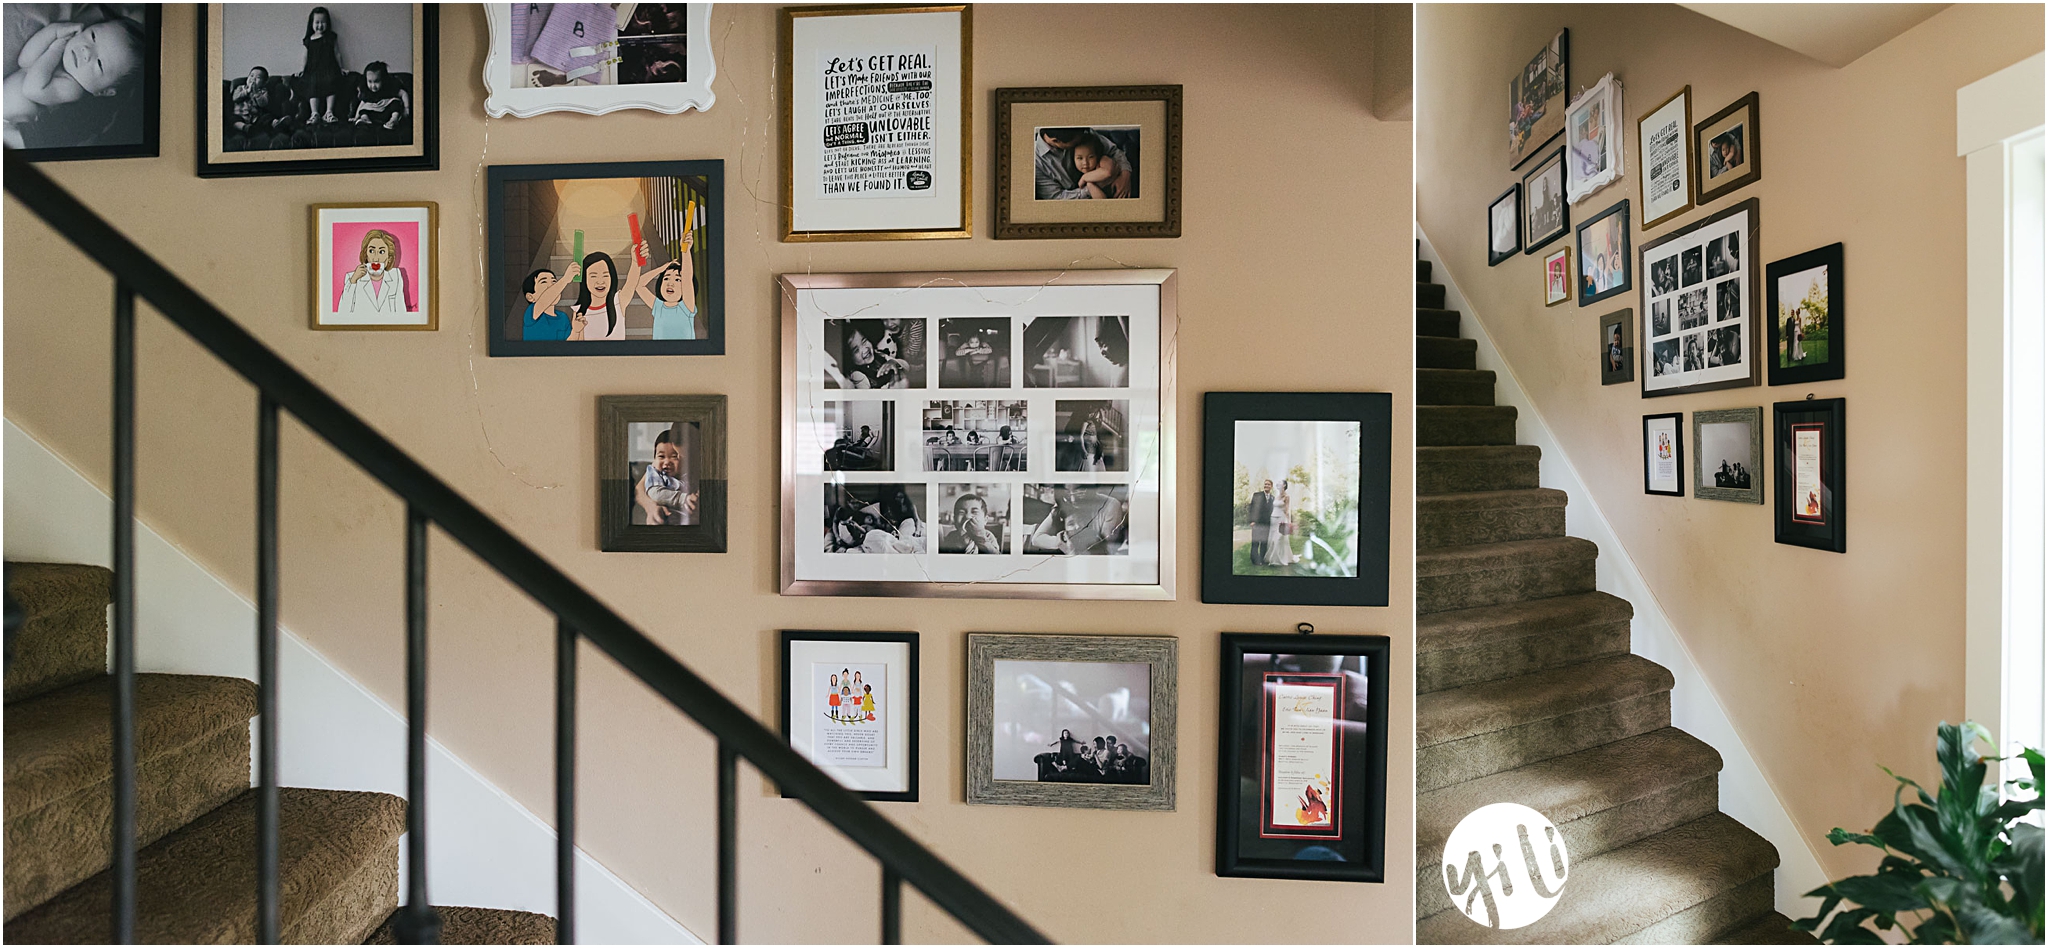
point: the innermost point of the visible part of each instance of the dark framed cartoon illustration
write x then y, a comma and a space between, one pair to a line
661, 473
607, 259
1301, 787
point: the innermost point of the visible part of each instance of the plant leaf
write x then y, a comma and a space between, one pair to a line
1885, 893
1838, 836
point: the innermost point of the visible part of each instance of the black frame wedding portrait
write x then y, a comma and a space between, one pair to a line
651, 447
1811, 503
1300, 437
1792, 344
1495, 250
550, 223
1587, 261
1330, 823
122, 121
848, 759
257, 116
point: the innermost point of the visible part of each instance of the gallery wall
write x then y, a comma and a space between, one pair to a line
1829, 664
1297, 247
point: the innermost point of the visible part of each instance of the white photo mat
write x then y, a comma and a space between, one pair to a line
810, 714
1145, 571
1662, 439
505, 97
1664, 154
814, 40
1666, 303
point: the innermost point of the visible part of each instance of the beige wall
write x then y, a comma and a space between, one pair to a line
1828, 664
1293, 276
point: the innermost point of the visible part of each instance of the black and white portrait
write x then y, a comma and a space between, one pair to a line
1077, 352
974, 353
862, 436
1660, 318
1664, 358
1724, 256
1664, 276
1072, 722
1690, 265
1724, 346
1695, 352
975, 436
298, 76
875, 518
1543, 198
1727, 300
1724, 455
1692, 308
1096, 163
874, 353
973, 518
81, 78
1091, 436
1077, 519
1725, 153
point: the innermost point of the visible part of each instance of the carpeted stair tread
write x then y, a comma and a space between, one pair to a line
1487, 643
1613, 896
1459, 713
1441, 425
338, 877
1439, 352
1486, 574
63, 635
192, 755
1422, 271
1454, 386
1436, 322
1478, 557
1767, 929
1492, 516
464, 925
1429, 294
1462, 468
1569, 788
1464, 628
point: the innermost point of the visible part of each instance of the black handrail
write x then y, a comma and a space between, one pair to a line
737, 732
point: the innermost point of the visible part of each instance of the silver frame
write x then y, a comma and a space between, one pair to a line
789, 284
984, 649
1755, 419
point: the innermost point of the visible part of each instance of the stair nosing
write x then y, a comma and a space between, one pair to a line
1552, 690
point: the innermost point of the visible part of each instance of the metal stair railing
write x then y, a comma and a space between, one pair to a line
430, 501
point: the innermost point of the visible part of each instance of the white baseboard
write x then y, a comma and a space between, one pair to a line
1746, 794
484, 849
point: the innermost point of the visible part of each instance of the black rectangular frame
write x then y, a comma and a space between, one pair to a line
1830, 414
426, 115
152, 96
1628, 255
1834, 368
1494, 257
711, 298
1220, 413
1371, 758
1530, 241
615, 533
1677, 442
782, 689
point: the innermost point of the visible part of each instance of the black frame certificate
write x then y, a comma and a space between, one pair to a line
1302, 787
1811, 502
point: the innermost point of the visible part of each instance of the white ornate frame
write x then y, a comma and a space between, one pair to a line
1608, 92
503, 99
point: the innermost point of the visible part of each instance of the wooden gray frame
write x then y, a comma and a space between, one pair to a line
984, 649
1626, 318
615, 530
1169, 223
1702, 488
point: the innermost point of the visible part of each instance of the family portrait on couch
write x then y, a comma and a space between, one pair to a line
295, 76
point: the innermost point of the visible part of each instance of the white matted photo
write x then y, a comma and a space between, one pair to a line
850, 706
1699, 305
1049, 393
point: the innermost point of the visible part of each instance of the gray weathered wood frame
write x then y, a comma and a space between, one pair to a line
1702, 488
615, 530
983, 651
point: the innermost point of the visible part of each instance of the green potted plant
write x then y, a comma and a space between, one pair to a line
1959, 867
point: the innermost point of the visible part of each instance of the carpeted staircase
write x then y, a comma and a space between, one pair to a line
1527, 693
195, 813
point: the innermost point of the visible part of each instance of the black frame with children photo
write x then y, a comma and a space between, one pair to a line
560, 235
317, 89
661, 473
93, 87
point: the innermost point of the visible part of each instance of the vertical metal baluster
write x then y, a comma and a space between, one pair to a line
420, 924
565, 783
892, 907
728, 845
266, 672
124, 615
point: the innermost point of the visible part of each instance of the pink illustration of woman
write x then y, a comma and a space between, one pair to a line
377, 284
